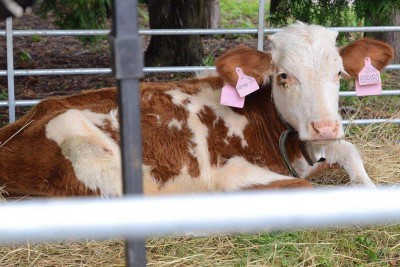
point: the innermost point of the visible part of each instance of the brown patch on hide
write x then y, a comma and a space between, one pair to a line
31, 164
282, 184
353, 55
166, 149
217, 132
262, 133
254, 63
113, 133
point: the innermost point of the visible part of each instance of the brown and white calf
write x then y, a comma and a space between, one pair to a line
192, 143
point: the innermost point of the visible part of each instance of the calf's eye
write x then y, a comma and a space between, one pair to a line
282, 81
340, 73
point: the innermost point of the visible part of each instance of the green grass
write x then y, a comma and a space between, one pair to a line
209, 60
355, 247
239, 14
3, 95
377, 246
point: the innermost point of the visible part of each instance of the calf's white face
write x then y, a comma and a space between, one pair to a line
306, 84
306, 66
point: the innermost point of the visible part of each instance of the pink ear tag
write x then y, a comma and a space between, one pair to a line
230, 97
369, 80
246, 84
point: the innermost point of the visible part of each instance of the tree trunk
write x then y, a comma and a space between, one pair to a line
392, 38
175, 50
279, 10
273, 6
213, 14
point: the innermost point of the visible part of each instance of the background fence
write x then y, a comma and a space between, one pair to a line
137, 217
9, 33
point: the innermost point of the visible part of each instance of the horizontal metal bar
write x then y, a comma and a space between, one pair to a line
344, 122
82, 71
196, 31
57, 32
191, 31
39, 220
370, 121
341, 94
384, 93
393, 67
178, 69
367, 29
21, 103
37, 72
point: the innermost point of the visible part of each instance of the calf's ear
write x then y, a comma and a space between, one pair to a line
353, 55
254, 63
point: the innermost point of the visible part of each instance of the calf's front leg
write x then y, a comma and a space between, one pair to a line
345, 154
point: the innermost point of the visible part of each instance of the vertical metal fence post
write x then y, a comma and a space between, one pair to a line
128, 68
260, 35
10, 70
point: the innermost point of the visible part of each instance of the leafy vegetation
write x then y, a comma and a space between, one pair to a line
78, 14
332, 12
324, 12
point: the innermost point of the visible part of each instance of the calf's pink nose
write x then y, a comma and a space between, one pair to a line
324, 130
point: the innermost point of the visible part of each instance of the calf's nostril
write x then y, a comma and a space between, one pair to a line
315, 128
324, 130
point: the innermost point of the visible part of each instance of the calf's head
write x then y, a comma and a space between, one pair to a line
306, 67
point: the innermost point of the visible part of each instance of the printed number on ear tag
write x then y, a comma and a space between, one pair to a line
230, 97
246, 84
369, 80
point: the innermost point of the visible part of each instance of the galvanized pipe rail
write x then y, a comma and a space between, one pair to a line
85, 71
189, 31
138, 218
10, 73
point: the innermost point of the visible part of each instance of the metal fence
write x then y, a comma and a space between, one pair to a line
137, 217
9, 33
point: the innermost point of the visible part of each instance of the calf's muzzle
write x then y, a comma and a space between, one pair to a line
324, 130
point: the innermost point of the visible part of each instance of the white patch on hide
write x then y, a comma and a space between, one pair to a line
93, 165
200, 150
206, 74
235, 175
114, 119
157, 116
175, 123
238, 173
94, 155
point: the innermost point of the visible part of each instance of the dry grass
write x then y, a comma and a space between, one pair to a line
378, 246
381, 154
3, 194
89, 253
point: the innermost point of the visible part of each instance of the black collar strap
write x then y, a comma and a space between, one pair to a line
283, 151
282, 142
